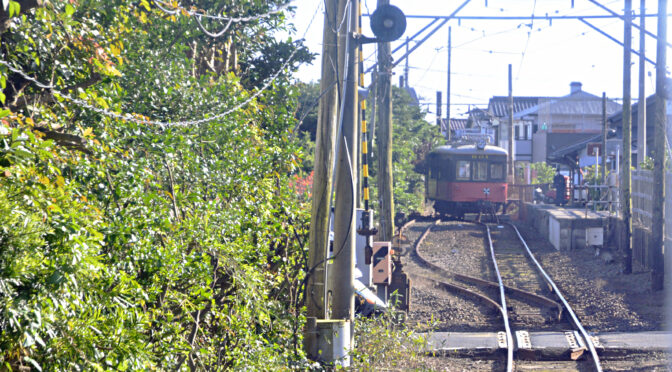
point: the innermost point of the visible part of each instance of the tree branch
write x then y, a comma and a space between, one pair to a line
26, 5
47, 97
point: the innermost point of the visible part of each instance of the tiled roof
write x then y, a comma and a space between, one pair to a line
566, 143
455, 124
499, 105
574, 106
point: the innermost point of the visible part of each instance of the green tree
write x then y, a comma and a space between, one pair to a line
129, 244
544, 173
413, 138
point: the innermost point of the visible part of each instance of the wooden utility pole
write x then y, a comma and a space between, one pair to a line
627, 138
511, 154
450, 47
659, 212
641, 105
384, 139
341, 276
318, 237
439, 100
604, 138
323, 172
406, 66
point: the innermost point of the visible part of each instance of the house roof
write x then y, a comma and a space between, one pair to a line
579, 103
561, 144
455, 124
499, 105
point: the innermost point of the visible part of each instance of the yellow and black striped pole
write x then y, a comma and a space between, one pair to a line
365, 140
367, 228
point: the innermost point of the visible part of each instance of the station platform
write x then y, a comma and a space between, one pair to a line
569, 228
547, 345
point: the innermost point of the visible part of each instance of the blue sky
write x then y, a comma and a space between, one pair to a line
545, 56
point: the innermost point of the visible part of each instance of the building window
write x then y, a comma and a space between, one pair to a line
463, 170
517, 129
480, 171
497, 171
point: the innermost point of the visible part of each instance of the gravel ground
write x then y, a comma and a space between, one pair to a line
442, 310
603, 298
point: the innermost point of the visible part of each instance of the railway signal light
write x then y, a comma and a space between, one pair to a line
388, 23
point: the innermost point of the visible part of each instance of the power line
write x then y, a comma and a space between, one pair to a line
137, 118
140, 119
180, 10
529, 35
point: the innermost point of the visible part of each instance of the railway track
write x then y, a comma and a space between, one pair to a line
517, 288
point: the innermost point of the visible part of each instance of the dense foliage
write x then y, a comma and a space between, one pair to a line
413, 138
543, 173
131, 245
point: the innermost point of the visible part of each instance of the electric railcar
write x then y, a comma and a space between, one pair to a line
466, 179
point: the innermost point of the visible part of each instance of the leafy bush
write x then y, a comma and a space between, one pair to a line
129, 245
544, 173
383, 343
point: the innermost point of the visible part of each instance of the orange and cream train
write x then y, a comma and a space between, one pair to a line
466, 179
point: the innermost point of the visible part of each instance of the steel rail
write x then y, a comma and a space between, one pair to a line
502, 295
512, 291
575, 319
449, 287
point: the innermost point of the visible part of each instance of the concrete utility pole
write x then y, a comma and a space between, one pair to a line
627, 137
450, 47
511, 154
659, 212
641, 105
384, 139
341, 276
604, 138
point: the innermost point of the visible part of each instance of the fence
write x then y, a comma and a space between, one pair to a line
642, 198
642, 213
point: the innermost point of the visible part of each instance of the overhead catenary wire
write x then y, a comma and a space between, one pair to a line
527, 43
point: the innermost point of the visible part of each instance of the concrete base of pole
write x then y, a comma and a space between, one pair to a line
328, 341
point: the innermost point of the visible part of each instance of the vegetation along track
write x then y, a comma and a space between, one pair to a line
521, 293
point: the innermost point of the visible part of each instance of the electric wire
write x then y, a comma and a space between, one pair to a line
136, 118
140, 119
205, 31
527, 43
190, 13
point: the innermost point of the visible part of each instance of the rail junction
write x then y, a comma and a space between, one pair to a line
527, 316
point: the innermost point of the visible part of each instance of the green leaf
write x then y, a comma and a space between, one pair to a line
69, 10
33, 362
14, 8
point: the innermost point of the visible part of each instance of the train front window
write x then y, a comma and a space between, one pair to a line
497, 171
480, 171
463, 170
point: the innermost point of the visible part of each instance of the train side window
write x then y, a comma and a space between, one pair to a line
463, 170
497, 171
480, 171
